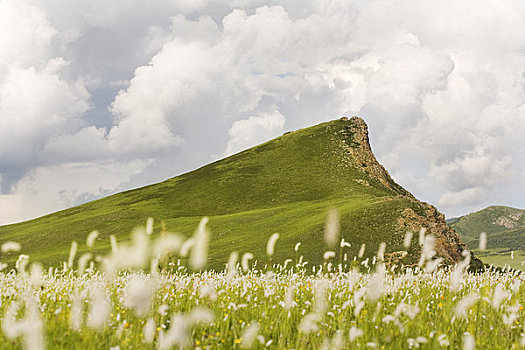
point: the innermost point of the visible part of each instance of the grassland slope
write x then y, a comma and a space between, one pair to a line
285, 185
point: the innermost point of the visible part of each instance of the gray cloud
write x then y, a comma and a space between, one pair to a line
132, 92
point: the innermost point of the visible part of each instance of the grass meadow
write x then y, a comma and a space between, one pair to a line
154, 293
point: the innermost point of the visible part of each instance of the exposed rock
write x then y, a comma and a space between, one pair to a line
363, 182
506, 222
516, 215
448, 244
395, 258
360, 153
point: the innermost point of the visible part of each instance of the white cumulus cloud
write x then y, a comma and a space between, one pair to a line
169, 85
253, 130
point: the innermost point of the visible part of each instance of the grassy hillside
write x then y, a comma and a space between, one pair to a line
285, 185
505, 228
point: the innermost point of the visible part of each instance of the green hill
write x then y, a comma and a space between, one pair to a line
286, 185
505, 229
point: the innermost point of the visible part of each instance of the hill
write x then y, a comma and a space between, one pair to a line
505, 229
285, 185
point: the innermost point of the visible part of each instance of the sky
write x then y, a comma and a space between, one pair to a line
97, 97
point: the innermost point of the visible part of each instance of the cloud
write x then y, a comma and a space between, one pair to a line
171, 84
36, 103
253, 130
25, 34
468, 196
66, 185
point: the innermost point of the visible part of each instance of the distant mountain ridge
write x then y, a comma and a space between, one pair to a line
285, 185
505, 229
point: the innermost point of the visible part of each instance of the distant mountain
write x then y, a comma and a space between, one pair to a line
286, 185
505, 229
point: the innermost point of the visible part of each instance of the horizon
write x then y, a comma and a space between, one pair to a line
96, 100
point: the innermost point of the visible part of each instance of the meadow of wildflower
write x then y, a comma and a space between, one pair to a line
154, 293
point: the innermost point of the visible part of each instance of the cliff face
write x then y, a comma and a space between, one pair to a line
360, 154
449, 245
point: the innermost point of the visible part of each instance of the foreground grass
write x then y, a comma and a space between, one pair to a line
283, 310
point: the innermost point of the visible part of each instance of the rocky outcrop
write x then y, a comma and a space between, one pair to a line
448, 243
506, 222
357, 145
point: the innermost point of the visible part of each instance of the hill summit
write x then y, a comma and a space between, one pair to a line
285, 185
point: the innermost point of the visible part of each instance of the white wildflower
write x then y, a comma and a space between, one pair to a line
463, 306
77, 310
232, 264
83, 261
443, 341
408, 239
200, 315
432, 265
36, 275
163, 309
186, 246
289, 297
381, 251
169, 243
177, 334
331, 228
376, 284
456, 277
131, 255
149, 331
208, 291
422, 340
328, 255
508, 320
138, 295
320, 296
21, 263
469, 343
11, 247
297, 245
30, 328
114, 244
482, 241
428, 251
361, 251
100, 307
245, 261
500, 294
309, 323
149, 226
90, 240
199, 252
250, 334
358, 302
270, 246
422, 233
354, 333
72, 253
388, 318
